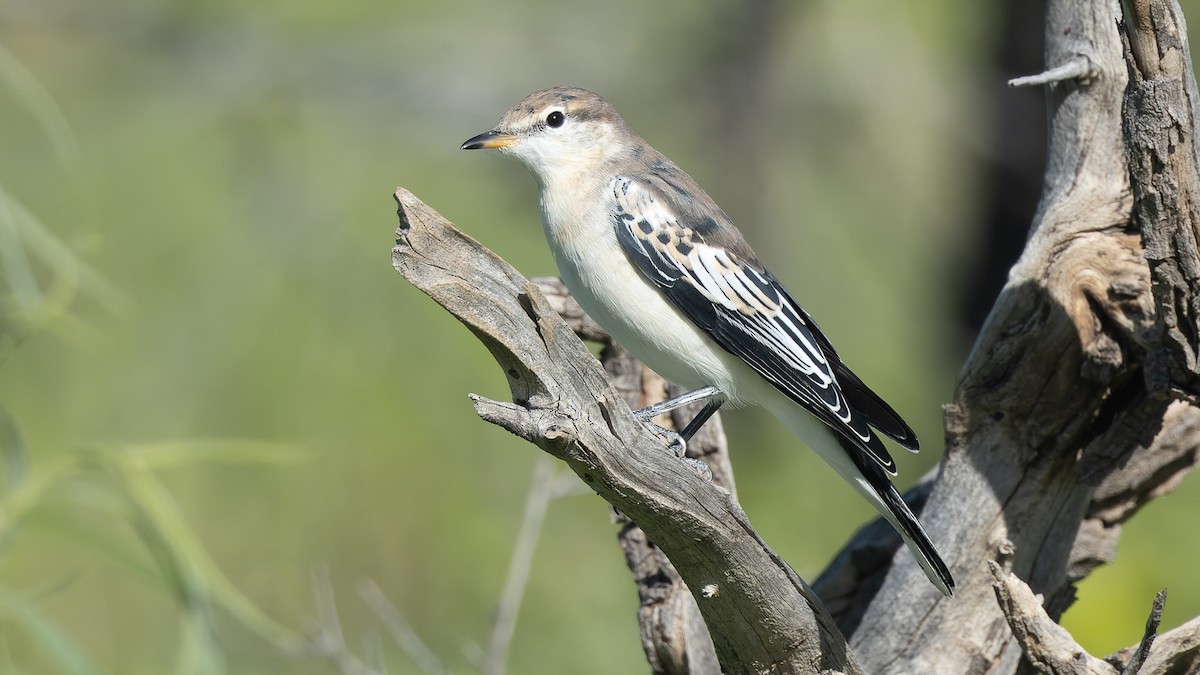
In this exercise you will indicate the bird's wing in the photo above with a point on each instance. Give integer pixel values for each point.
(862, 399)
(745, 310)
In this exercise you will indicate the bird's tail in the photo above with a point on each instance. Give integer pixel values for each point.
(902, 518)
(874, 484)
(870, 480)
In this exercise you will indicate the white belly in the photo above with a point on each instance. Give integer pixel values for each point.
(616, 294)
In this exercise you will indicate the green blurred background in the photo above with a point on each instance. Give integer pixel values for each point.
(213, 383)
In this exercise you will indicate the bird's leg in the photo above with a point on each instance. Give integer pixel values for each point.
(701, 417)
(679, 401)
(678, 441)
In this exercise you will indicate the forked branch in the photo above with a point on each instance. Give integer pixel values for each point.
(762, 616)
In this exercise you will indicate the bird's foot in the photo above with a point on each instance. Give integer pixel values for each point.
(671, 438)
(678, 446)
(701, 469)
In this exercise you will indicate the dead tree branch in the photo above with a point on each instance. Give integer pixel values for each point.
(762, 616)
(1052, 650)
(1047, 645)
(673, 634)
(1174, 652)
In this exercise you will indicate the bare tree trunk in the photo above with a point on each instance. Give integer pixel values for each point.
(1053, 429)
(1072, 411)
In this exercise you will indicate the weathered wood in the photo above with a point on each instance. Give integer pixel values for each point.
(1164, 164)
(1175, 652)
(672, 627)
(1052, 433)
(1051, 352)
(1146, 469)
(1053, 651)
(674, 636)
(1047, 645)
(761, 615)
(672, 630)
(1140, 653)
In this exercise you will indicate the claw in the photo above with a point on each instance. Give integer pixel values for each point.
(672, 439)
(678, 445)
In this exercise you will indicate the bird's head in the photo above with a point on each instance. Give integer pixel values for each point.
(559, 132)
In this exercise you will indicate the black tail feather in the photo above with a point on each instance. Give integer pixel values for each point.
(916, 534)
(874, 409)
(905, 522)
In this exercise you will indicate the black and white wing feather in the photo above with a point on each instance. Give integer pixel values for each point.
(711, 275)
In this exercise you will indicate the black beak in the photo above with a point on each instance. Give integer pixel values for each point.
(489, 140)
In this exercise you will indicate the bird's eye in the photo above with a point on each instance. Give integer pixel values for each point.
(555, 119)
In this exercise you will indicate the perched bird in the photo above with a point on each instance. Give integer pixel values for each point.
(651, 257)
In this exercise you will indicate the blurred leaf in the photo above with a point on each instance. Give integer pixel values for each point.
(40, 242)
(26, 86)
(55, 643)
(96, 499)
(168, 454)
(181, 558)
(14, 453)
(18, 273)
(16, 504)
(199, 653)
(180, 551)
(126, 552)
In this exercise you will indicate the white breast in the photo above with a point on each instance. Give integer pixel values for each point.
(594, 267)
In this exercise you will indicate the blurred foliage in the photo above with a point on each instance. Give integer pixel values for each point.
(228, 166)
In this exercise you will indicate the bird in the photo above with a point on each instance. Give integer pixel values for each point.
(656, 262)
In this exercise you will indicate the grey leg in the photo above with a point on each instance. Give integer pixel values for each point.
(677, 402)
